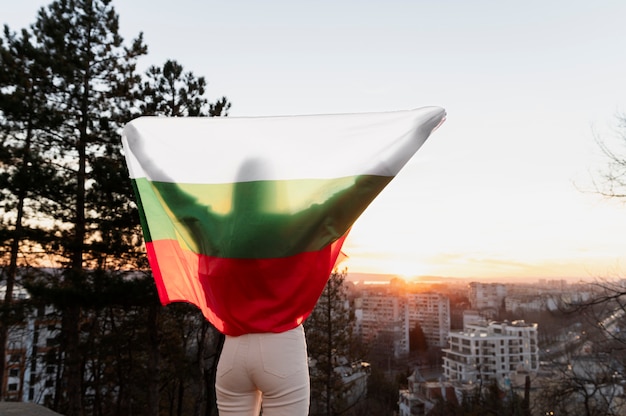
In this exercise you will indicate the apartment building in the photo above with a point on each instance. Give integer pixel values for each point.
(486, 297)
(432, 312)
(491, 351)
(526, 303)
(31, 364)
(384, 318)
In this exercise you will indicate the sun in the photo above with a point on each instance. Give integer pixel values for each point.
(407, 277)
(397, 265)
(407, 271)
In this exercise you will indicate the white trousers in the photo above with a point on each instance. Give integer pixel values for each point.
(268, 370)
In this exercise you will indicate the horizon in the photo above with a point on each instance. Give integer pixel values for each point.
(381, 278)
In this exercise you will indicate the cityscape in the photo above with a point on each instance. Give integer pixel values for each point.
(546, 342)
(540, 340)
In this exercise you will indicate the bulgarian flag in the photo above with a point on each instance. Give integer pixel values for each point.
(245, 217)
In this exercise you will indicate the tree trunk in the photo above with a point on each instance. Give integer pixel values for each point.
(329, 350)
(72, 324)
(73, 376)
(526, 402)
(153, 364)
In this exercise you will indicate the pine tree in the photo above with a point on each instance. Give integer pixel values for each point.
(417, 339)
(92, 73)
(171, 91)
(26, 120)
(329, 335)
(67, 86)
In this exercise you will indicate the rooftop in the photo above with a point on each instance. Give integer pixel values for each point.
(25, 409)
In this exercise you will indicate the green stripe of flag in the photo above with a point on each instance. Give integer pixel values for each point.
(257, 219)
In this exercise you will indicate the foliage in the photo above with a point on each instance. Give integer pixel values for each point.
(329, 342)
(169, 91)
(382, 394)
(27, 116)
(610, 181)
(417, 339)
(590, 381)
(489, 399)
(68, 83)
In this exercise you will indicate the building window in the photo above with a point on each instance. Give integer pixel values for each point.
(12, 387)
(14, 372)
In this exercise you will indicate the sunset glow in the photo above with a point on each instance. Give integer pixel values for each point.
(503, 188)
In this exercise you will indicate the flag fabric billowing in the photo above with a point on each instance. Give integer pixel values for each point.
(245, 217)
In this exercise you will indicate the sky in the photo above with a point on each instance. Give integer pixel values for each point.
(504, 188)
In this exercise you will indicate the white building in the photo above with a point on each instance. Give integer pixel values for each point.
(354, 379)
(432, 312)
(472, 317)
(31, 364)
(353, 388)
(18, 293)
(491, 351)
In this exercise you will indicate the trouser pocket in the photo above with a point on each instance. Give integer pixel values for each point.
(284, 354)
